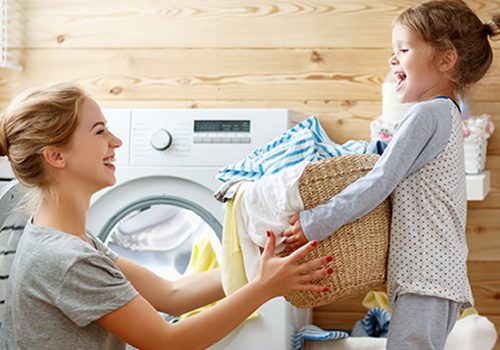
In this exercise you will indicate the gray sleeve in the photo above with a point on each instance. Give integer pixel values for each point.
(424, 133)
(99, 245)
(91, 288)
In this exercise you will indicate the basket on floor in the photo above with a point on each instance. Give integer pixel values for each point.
(359, 249)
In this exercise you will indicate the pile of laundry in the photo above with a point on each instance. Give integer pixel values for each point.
(261, 192)
(471, 331)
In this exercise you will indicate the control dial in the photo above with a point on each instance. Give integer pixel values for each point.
(161, 139)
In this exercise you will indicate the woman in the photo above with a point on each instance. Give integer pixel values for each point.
(66, 289)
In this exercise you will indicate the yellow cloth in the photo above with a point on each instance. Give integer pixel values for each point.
(376, 299)
(233, 268)
(467, 312)
(379, 299)
(203, 258)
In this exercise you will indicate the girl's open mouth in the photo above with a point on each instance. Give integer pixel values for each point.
(400, 78)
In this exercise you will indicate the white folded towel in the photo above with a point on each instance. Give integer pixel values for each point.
(473, 332)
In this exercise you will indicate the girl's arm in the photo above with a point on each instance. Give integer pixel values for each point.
(138, 323)
(422, 135)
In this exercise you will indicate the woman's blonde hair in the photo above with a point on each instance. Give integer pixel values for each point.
(451, 24)
(33, 121)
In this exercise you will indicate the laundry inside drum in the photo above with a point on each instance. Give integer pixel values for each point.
(160, 237)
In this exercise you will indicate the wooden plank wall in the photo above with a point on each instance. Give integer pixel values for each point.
(318, 56)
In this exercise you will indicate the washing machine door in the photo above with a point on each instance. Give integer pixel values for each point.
(135, 197)
(155, 228)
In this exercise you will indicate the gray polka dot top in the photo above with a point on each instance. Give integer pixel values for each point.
(428, 248)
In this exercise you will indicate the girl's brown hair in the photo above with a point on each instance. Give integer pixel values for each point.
(451, 24)
(33, 121)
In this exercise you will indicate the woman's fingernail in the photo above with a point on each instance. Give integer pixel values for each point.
(314, 243)
(330, 270)
(329, 258)
(268, 233)
(326, 290)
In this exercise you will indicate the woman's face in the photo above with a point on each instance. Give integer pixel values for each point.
(91, 151)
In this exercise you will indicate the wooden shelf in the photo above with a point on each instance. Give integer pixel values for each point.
(478, 186)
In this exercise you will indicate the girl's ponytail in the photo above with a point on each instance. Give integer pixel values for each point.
(492, 27)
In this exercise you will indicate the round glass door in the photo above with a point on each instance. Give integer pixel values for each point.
(160, 233)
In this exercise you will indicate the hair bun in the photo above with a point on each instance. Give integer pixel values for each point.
(491, 28)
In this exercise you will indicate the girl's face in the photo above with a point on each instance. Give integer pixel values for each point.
(91, 151)
(417, 67)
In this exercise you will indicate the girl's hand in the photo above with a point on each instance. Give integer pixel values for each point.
(283, 275)
(295, 236)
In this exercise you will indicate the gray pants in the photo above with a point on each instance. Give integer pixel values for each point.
(421, 322)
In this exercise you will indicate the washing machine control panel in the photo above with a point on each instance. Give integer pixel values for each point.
(194, 137)
(161, 139)
(222, 131)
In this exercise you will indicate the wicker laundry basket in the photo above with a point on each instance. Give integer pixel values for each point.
(359, 249)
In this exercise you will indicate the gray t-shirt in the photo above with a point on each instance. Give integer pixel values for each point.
(58, 286)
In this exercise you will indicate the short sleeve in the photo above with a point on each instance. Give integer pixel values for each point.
(100, 246)
(91, 288)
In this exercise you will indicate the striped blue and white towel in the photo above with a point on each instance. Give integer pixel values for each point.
(312, 332)
(305, 142)
(375, 324)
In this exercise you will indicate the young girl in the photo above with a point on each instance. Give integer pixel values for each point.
(440, 48)
(66, 289)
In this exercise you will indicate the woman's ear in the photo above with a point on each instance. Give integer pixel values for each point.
(447, 60)
(53, 157)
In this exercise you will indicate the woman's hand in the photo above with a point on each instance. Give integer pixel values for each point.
(139, 324)
(283, 275)
(295, 236)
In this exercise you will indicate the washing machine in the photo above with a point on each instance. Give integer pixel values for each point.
(11, 193)
(6, 174)
(163, 203)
